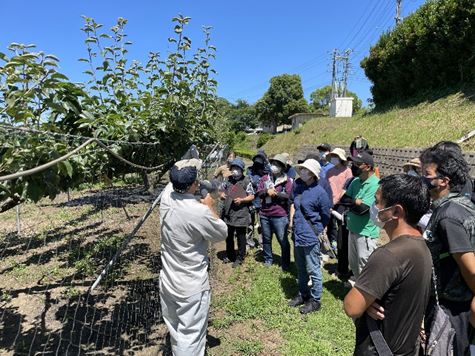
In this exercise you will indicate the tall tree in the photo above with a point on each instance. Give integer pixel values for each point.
(283, 99)
(320, 100)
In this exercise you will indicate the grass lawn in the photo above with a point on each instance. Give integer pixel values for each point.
(249, 313)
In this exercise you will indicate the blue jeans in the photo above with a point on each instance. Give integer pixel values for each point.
(307, 260)
(277, 225)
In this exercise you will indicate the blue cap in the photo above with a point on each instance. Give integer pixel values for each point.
(238, 162)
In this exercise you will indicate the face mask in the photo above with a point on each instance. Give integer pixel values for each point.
(230, 161)
(322, 155)
(374, 214)
(275, 169)
(304, 174)
(236, 173)
(334, 160)
(413, 173)
(428, 181)
(356, 171)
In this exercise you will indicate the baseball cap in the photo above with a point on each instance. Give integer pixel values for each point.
(363, 157)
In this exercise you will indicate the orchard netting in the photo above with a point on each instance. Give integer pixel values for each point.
(79, 274)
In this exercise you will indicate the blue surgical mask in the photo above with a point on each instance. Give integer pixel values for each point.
(428, 181)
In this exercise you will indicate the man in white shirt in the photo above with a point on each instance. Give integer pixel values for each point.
(186, 228)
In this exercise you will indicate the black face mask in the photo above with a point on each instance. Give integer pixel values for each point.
(356, 171)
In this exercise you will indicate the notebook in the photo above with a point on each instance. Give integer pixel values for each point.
(237, 192)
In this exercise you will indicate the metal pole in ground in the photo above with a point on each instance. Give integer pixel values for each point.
(18, 219)
(125, 243)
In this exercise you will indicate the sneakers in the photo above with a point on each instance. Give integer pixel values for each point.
(237, 263)
(298, 300)
(226, 260)
(267, 264)
(310, 306)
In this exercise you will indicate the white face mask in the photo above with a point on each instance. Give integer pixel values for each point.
(374, 214)
(323, 155)
(275, 169)
(413, 173)
(236, 173)
(334, 160)
(304, 174)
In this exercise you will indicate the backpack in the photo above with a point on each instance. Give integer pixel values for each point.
(441, 335)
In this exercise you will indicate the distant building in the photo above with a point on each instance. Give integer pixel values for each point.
(272, 128)
(341, 107)
(299, 118)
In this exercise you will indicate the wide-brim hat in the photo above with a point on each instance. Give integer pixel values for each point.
(279, 158)
(340, 152)
(312, 165)
(363, 157)
(288, 160)
(415, 162)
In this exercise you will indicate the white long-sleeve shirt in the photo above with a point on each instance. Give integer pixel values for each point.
(186, 227)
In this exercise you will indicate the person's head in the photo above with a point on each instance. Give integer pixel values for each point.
(309, 171)
(323, 150)
(448, 146)
(278, 164)
(309, 156)
(231, 157)
(400, 199)
(184, 175)
(443, 171)
(362, 165)
(258, 161)
(338, 157)
(237, 167)
(413, 167)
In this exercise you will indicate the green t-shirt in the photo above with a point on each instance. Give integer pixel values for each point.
(362, 224)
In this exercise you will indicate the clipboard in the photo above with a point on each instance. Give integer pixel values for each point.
(237, 192)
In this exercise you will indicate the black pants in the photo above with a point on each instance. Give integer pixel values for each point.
(342, 245)
(241, 241)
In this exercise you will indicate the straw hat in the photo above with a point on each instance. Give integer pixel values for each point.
(415, 162)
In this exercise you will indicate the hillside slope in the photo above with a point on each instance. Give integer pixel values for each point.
(421, 125)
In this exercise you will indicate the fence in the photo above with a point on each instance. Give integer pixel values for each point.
(388, 160)
(51, 254)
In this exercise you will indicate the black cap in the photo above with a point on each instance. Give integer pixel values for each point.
(363, 157)
(309, 156)
(324, 147)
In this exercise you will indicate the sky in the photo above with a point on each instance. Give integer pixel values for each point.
(255, 40)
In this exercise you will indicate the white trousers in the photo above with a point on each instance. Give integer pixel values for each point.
(187, 321)
(360, 247)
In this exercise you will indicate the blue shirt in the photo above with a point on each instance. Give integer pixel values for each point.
(325, 168)
(290, 172)
(314, 206)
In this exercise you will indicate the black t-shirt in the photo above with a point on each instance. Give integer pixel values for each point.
(398, 274)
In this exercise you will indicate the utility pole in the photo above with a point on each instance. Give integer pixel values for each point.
(335, 53)
(347, 69)
(398, 11)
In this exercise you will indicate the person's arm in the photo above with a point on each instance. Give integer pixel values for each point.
(209, 201)
(357, 302)
(291, 215)
(247, 199)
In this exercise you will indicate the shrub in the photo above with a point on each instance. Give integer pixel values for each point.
(263, 139)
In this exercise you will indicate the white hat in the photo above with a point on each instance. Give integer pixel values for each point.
(312, 165)
(340, 153)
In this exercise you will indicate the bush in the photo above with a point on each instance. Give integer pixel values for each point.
(263, 139)
(244, 153)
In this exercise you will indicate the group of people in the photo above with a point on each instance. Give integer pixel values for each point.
(427, 213)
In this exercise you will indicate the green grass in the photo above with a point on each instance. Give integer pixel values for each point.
(259, 296)
(414, 124)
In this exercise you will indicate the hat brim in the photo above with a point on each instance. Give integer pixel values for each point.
(298, 167)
